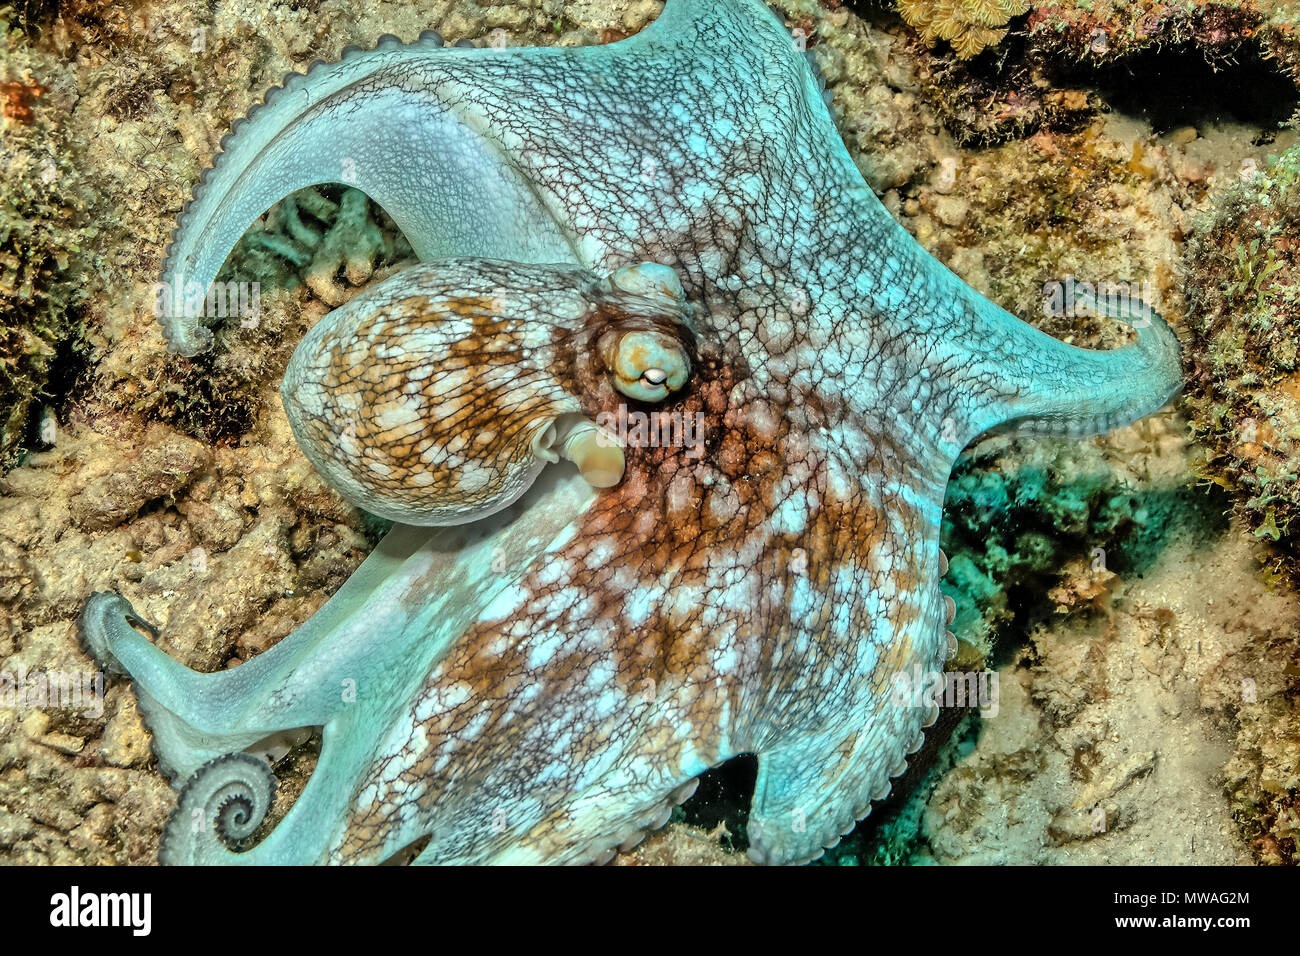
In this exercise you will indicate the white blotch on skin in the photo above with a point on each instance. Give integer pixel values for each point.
(473, 477)
(600, 554)
(443, 699)
(504, 604)
(679, 493)
(399, 414)
(544, 650)
(311, 396)
(761, 418)
(791, 515)
(638, 605)
(552, 572)
(724, 502)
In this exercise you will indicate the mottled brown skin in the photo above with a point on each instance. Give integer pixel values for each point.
(429, 397)
(668, 521)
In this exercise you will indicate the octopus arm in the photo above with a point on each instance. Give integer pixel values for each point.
(347, 670)
(195, 717)
(1022, 380)
(422, 129)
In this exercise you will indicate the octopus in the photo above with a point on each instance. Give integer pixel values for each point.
(574, 615)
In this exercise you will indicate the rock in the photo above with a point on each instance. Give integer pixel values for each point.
(35, 724)
(92, 833)
(165, 462)
(640, 13)
(64, 743)
(126, 741)
(951, 210)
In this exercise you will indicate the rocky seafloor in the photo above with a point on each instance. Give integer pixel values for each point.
(1136, 606)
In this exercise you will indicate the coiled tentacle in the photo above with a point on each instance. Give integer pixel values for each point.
(219, 811)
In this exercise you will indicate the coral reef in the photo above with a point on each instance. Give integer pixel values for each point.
(1043, 539)
(246, 537)
(1254, 700)
(45, 242)
(877, 94)
(1243, 282)
(328, 238)
(1026, 521)
(1048, 74)
(333, 241)
(1119, 729)
(1103, 30)
(1020, 95)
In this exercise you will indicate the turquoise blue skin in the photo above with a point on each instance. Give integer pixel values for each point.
(704, 144)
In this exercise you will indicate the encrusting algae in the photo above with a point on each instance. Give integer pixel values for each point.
(1243, 283)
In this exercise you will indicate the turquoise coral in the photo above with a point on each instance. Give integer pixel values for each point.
(541, 685)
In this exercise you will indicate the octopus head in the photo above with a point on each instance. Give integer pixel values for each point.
(438, 396)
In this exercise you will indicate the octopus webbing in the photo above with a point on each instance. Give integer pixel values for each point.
(570, 622)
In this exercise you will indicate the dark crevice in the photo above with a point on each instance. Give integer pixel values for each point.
(32, 16)
(407, 854)
(723, 797)
(1177, 86)
(1018, 88)
(293, 756)
(68, 377)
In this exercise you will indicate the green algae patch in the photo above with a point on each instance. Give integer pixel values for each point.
(1243, 288)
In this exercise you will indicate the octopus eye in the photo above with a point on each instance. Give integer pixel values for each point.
(648, 365)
